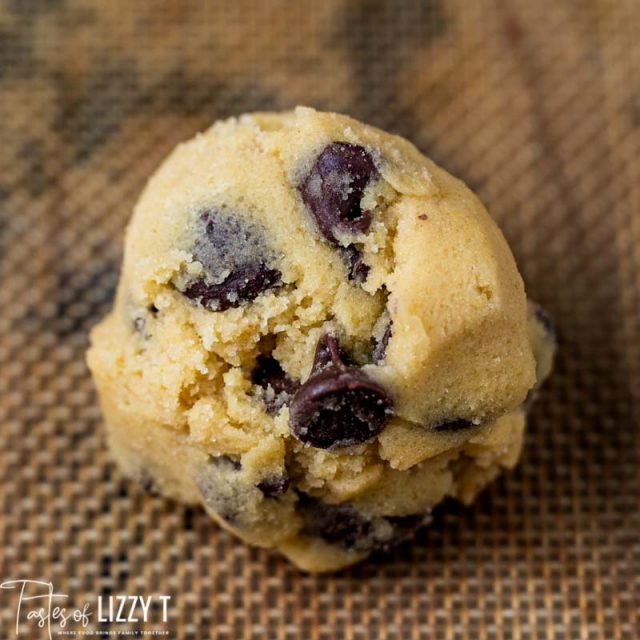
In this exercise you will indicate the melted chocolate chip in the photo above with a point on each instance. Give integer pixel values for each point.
(380, 349)
(274, 486)
(455, 425)
(339, 406)
(333, 189)
(357, 268)
(237, 262)
(269, 375)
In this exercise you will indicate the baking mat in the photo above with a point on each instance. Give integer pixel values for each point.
(536, 104)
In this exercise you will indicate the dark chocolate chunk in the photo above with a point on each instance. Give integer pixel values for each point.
(333, 189)
(339, 406)
(269, 375)
(455, 425)
(358, 270)
(380, 349)
(274, 486)
(237, 262)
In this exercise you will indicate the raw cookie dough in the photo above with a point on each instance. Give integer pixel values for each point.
(318, 335)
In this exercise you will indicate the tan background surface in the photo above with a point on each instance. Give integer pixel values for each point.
(536, 104)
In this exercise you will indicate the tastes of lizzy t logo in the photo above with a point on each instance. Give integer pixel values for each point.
(38, 606)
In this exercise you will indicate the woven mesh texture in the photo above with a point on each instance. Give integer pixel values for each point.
(536, 104)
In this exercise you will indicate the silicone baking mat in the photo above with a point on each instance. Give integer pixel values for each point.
(536, 104)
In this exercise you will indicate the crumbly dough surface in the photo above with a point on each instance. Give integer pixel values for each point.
(318, 335)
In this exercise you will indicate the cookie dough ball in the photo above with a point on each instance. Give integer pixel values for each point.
(318, 335)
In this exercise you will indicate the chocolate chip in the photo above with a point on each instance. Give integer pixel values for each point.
(274, 486)
(455, 425)
(328, 353)
(339, 406)
(246, 283)
(343, 526)
(333, 189)
(358, 270)
(279, 387)
(336, 524)
(380, 349)
(237, 262)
